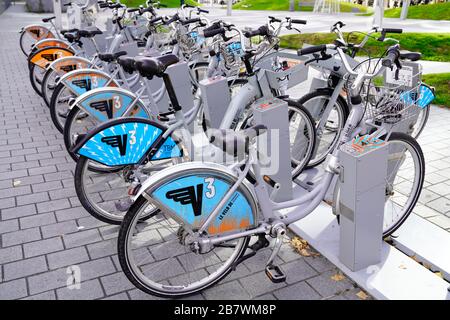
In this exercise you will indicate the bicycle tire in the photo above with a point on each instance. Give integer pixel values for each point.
(344, 110)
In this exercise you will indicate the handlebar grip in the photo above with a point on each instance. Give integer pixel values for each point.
(392, 30)
(339, 24)
(261, 31)
(115, 6)
(202, 10)
(173, 19)
(148, 9)
(154, 20)
(390, 58)
(67, 4)
(189, 21)
(213, 26)
(298, 21)
(213, 32)
(273, 19)
(312, 49)
(132, 10)
(189, 6)
(103, 5)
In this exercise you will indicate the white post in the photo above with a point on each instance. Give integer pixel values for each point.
(58, 13)
(291, 5)
(229, 7)
(379, 13)
(405, 8)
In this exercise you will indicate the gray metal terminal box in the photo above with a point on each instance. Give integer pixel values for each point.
(275, 143)
(216, 98)
(361, 202)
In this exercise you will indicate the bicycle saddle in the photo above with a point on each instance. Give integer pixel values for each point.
(156, 66)
(48, 19)
(110, 57)
(235, 143)
(89, 33)
(71, 36)
(64, 31)
(127, 63)
(413, 56)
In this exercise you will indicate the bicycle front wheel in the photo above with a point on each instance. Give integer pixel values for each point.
(156, 257)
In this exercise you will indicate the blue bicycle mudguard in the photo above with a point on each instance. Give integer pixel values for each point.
(193, 197)
(127, 141)
(422, 98)
(110, 103)
(83, 80)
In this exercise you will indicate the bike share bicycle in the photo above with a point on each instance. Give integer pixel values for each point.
(200, 216)
(261, 83)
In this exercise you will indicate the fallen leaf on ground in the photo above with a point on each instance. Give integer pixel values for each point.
(16, 183)
(439, 274)
(362, 295)
(402, 266)
(337, 277)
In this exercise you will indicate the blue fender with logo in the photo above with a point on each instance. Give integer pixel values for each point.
(83, 80)
(110, 103)
(189, 192)
(127, 141)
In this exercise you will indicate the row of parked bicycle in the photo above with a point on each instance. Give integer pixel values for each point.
(132, 102)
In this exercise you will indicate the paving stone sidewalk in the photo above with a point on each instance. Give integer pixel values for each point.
(44, 230)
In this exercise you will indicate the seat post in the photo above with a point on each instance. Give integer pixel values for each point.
(171, 92)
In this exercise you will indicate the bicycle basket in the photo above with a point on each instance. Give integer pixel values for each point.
(232, 53)
(392, 105)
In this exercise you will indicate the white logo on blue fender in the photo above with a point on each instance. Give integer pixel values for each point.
(121, 144)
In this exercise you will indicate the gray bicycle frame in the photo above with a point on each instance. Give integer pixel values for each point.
(312, 199)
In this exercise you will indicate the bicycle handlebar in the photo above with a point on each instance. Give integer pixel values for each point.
(174, 18)
(213, 32)
(189, 21)
(261, 31)
(391, 57)
(312, 49)
(392, 30)
(154, 20)
(298, 21)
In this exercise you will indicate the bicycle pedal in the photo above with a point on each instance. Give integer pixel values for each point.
(275, 274)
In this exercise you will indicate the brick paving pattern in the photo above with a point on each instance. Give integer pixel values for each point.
(44, 230)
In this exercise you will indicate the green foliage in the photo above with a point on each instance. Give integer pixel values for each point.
(441, 82)
(168, 3)
(437, 11)
(433, 46)
(283, 5)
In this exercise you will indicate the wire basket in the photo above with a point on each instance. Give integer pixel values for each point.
(232, 52)
(190, 42)
(391, 105)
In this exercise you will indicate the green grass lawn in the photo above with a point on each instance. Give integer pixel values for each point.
(437, 11)
(168, 3)
(433, 46)
(283, 5)
(441, 82)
